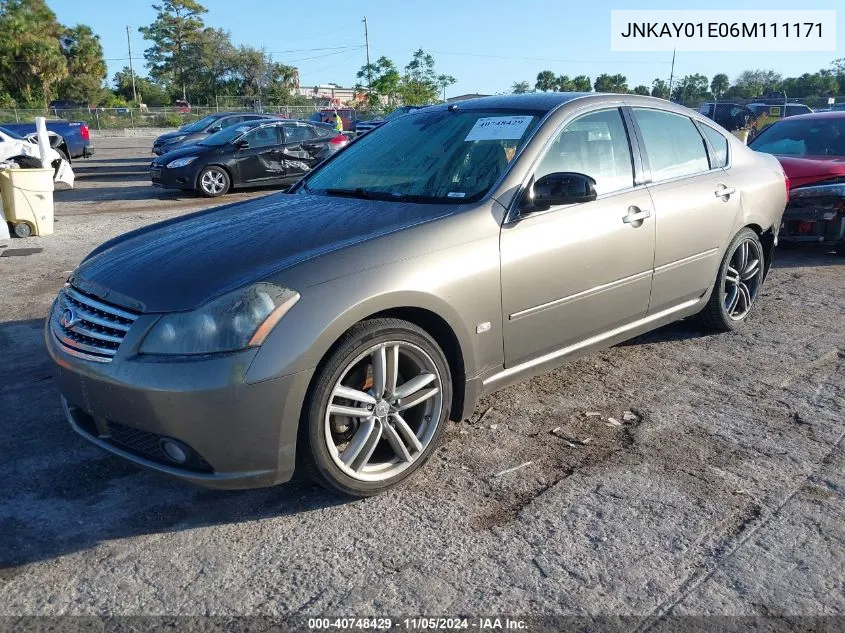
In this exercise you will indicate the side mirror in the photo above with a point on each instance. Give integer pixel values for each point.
(214, 129)
(557, 188)
(242, 144)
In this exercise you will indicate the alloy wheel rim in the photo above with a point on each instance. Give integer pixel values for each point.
(213, 182)
(743, 277)
(383, 411)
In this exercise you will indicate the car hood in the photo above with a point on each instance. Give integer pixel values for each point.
(181, 263)
(805, 170)
(169, 136)
(191, 149)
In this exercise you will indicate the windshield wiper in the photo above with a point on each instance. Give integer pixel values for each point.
(365, 194)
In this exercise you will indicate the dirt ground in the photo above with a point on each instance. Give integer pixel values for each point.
(720, 492)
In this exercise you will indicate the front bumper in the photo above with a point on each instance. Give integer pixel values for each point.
(238, 435)
(815, 213)
(179, 178)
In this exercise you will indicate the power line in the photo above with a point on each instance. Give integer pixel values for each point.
(547, 59)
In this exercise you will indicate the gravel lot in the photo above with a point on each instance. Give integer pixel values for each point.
(722, 495)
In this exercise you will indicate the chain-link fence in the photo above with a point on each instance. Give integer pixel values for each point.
(133, 118)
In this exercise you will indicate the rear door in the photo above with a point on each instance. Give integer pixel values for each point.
(262, 160)
(302, 149)
(695, 202)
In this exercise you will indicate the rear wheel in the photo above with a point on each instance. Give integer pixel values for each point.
(213, 182)
(737, 284)
(377, 410)
(23, 229)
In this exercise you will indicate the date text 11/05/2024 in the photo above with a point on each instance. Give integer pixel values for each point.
(721, 29)
(418, 624)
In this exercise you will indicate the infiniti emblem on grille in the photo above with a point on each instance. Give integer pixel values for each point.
(68, 319)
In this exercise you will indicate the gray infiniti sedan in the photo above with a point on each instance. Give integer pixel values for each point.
(337, 328)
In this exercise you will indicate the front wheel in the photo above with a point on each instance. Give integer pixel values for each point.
(213, 182)
(379, 405)
(737, 284)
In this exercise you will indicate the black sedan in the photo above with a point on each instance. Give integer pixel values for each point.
(252, 154)
(203, 128)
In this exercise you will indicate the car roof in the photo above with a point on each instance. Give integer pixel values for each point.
(811, 116)
(547, 101)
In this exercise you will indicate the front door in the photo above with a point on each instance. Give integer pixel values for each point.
(577, 271)
(261, 159)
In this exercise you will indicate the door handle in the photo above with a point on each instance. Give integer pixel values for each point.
(636, 216)
(724, 192)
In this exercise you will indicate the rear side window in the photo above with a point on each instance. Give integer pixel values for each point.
(297, 133)
(322, 132)
(720, 147)
(673, 144)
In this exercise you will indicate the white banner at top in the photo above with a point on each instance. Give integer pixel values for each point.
(720, 30)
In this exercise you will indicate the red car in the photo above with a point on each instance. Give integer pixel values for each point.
(811, 150)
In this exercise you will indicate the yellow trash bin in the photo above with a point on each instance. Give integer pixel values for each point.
(28, 200)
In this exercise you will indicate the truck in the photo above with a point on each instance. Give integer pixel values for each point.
(76, 138)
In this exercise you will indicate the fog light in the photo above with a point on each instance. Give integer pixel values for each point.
(174, 451)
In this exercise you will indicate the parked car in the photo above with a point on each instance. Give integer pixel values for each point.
(251, 154)
(75, 136)
(779, 110)
(182, 106)
(340, 327)
(202, 128)
(367, 126)
(731, 116)
(811, 148)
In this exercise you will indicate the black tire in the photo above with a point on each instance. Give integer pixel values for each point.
(23, 229)
(840, 249)
(714, 316)
(217, 174)
(313, 457)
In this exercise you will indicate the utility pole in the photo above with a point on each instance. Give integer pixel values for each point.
(367, 45)
(672, 74)
(131, 68)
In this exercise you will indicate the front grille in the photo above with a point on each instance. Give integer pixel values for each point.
(87, 327)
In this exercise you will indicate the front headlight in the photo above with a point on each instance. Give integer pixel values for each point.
(181, 162)
(235, 321)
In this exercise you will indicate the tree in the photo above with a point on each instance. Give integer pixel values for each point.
(85, 64)
(611, 83)
(149, 92)
(582, 83)
(520, 87)
(659, 89)
(719, 84)
(546, 81)
(564, 84)
(383, 79)
(758, 82)
(173, 34)
(31, 59)
(421, 84)
(690, 89)
(443, 82)
(641, 90)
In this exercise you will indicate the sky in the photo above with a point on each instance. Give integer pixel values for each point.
(485, 45)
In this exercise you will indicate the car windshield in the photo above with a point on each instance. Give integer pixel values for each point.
(428, 156)
(803, 137)
(197, 126)
(229, 134)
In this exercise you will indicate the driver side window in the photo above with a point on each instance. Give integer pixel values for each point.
(595, 144)
(263, 137)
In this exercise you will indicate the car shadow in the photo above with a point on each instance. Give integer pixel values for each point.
(61, 495)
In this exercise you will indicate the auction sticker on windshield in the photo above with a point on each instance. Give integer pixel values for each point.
(499, 128)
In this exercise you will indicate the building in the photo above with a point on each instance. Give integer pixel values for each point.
(472, 95)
